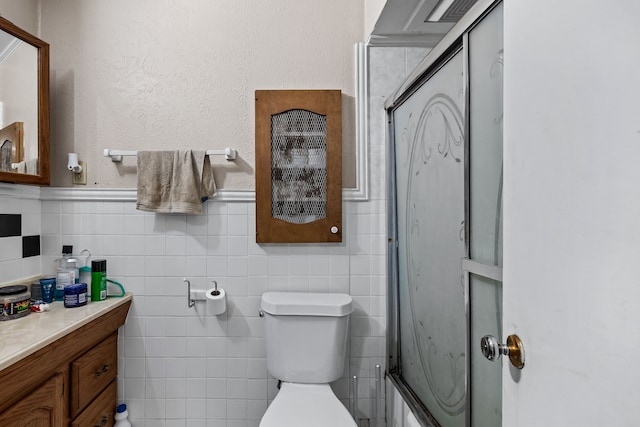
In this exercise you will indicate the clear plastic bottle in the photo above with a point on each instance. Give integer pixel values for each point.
(122, 416)
(67, 274)
(85, 271)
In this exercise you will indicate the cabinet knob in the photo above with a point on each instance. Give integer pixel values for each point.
(103, 421)
(104, 370)
(334, 230)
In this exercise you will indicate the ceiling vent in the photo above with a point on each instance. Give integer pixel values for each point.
(450, 10)
(417, 22)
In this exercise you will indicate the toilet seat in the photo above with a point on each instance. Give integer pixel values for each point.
(309, 405)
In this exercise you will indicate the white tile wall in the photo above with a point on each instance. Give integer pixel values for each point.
(182, 366)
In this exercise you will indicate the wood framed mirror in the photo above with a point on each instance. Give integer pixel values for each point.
(24, 106)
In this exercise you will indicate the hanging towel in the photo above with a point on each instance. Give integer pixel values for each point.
(6, 148)
(29, 167)
(174, 181)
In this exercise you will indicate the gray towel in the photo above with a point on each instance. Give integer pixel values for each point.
(174, 181)
(6, 150)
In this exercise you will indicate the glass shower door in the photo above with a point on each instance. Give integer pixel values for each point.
(446, 219)
(429, 165)
(485, 214)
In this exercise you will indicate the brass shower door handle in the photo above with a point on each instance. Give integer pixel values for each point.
(492, 349)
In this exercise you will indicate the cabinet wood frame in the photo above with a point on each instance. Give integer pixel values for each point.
(324, 102)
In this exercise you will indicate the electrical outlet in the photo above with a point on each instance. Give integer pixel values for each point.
(81, 178)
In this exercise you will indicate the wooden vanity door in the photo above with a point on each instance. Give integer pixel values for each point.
(44, 407)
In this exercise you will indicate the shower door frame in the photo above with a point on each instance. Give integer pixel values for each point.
(455, 41)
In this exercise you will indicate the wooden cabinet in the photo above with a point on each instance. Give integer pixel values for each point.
(70, 382)
(93, 372)
(44, 407)
(298, 166)
(101, 411)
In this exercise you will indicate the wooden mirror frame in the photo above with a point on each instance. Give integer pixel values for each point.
(43, 177)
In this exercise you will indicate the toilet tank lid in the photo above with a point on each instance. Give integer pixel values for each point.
(306, 304)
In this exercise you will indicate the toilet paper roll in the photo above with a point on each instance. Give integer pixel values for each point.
(216, 300)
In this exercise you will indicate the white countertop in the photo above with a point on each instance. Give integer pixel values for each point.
(24, 336)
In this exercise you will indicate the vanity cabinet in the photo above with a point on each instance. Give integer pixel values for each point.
(43, 407)
(101, 412)
(298, 166)
(93, 372)
(72, 381)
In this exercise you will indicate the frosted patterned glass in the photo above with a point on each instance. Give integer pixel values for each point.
(485, 152)
(429, 130)
(485, 167)
(486, 376)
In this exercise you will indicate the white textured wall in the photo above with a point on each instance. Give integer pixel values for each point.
(23, 13)
(144, 74)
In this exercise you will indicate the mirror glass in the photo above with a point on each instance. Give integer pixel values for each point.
(24, 106)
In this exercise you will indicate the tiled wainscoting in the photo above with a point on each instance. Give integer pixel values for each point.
(182, 366)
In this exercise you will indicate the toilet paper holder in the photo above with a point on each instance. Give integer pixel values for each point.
(216, 297)
(191, 298)
(194, 295)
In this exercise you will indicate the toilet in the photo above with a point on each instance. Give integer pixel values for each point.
(306, 337)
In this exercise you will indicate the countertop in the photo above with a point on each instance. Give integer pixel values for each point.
(24, 336)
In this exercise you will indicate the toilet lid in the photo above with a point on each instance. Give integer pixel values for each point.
(309, 405)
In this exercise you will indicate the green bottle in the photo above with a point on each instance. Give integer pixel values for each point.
(99, 280)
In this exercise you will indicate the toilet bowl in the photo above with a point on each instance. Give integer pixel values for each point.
(306, 338)
(308, 405)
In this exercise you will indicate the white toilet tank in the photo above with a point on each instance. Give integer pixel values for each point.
(306, 335)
